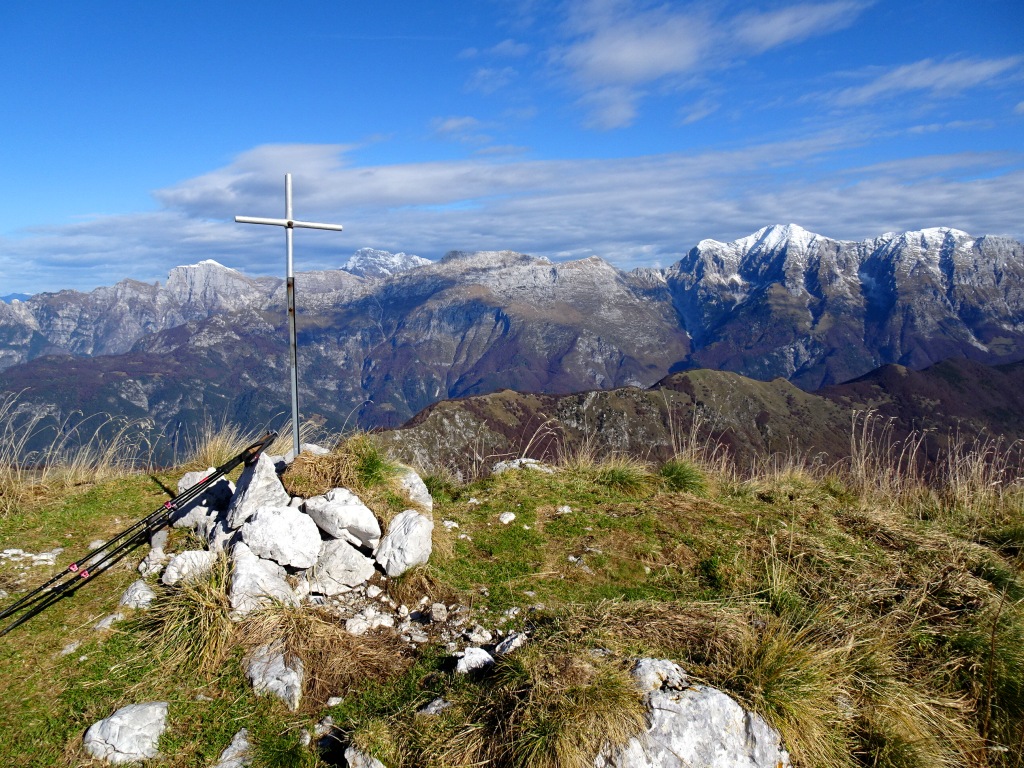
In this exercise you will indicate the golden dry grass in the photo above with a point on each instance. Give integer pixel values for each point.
(336, 663)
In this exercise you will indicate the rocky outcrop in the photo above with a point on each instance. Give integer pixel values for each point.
(283, 534)
(785, 302)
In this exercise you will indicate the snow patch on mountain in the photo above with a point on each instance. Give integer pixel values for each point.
(373, 263)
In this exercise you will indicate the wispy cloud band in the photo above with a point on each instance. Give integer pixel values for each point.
(632, 211)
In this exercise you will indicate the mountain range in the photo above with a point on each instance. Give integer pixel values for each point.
(392, 334)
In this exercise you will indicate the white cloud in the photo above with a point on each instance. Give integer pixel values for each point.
(1019, 109)
(942, 78)
(632, 211)
(509, 49)
(465, 130)
(615, 50)
(698, 111)
(487, 80)
(763, 31)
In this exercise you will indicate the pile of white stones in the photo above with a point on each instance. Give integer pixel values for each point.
(328, 550)
(287, 549)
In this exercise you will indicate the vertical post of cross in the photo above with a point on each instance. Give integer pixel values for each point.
(293, 334)
(289, 224)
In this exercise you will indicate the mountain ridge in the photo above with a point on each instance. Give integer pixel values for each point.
(783, 302)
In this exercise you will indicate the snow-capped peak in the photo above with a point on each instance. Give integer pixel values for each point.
(777, 235)
(207, 263)
(371, 262)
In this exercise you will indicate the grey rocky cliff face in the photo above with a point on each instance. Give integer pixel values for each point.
(786, 302)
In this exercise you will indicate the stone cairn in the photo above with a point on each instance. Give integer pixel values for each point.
(329, 551)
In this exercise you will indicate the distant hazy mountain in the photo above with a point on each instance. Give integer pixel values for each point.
(15, 296)
(375, 349)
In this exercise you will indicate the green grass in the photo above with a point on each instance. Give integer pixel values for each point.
(871, 634)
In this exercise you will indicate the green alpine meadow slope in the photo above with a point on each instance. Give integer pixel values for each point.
(872, 613)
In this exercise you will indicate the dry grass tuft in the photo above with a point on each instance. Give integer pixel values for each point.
(358, 464)
(419, 582)
(310, 475)
(653, 625)
(336, 663)
(189, 626)
(554, 704)
(214, 444)
(90, 450)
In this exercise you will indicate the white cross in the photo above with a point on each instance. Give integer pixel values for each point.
(289, 224)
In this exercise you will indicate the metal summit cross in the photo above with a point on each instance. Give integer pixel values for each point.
(289, 224)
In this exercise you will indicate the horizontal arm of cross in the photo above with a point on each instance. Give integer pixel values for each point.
(290, 223)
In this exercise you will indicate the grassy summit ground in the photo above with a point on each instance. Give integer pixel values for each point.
(875, 618)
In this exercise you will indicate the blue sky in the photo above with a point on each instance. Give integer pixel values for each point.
(133, 132)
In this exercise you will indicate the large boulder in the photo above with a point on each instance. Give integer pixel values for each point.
(340, 513)
(406, 544)
(272, 672)
(414, 487)
(694, 725)
(130, 735)
(201, 512)
(190, 565)
(284, 535)
(257, 583)
(259, 486)
(339, 567)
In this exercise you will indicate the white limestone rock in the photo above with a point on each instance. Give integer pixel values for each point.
(129, 735)
(406, 544)
(339, 567)
(272, 673)
(694, 726)
(236, 754)
(203, 510)
(510, 643)
(139, 595)
(435, 707)
(284, 535)
(367, 619)
(220, 537)
(506, 517)
(257, 583)
(505, 466)
(414, 487)
(259, 486)
(108, 621)
(340, 513)
(654, 674)
(153, 562)
(478, 635)
(473, 658)
(311, 448)
(191, 565)
(357, 759)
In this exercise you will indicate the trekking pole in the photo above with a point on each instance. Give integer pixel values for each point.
(95, 561)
